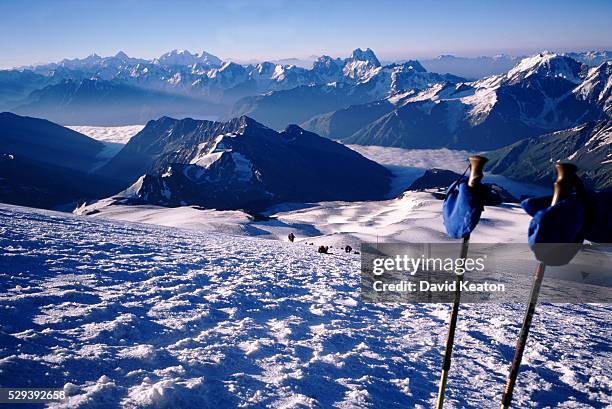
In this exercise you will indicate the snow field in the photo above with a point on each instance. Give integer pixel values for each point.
(133, 315)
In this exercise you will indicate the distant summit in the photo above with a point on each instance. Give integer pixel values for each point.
(367, 56)
(184, 57)
(547, 64)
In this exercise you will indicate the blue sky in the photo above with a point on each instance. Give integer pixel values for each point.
(44, 31)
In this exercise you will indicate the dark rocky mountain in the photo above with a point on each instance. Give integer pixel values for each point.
(439, 180)
(434, 178)
(43, 141)
(32, 183)
(240, 164)
(104, 103)
(588, 146)
(46, 165)
(543, 93)
(597, 87)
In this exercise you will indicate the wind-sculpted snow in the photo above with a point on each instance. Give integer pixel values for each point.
(138, 316)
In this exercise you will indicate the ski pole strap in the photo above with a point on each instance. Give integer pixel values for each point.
(456, 182)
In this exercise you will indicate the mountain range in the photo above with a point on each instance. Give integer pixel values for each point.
(364, 80)
(547, 107)
(478, 67)
(105, 102)
(201, 85)
(542, 93)
(202, 81)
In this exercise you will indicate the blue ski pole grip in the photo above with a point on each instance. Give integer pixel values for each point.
(556, 232)
(596, 215)
(464, 201)
(462, 210)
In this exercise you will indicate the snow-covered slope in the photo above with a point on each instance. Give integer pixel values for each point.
(414, 217)
(143, 316)
(588, 146)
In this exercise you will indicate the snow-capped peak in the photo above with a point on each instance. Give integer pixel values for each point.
(175, 57)
(367, 56)
(184, 57)
(79, 63)
(362, 65)
(207, 58)
(547, 64)
(597, 86)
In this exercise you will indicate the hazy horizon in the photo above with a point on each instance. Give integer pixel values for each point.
(312, 57)
(44, 32)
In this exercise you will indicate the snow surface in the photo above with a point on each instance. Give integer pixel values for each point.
(415, 217)
(135, 315)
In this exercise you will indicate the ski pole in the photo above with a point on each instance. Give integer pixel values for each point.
(476, 173)
(566, 177)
